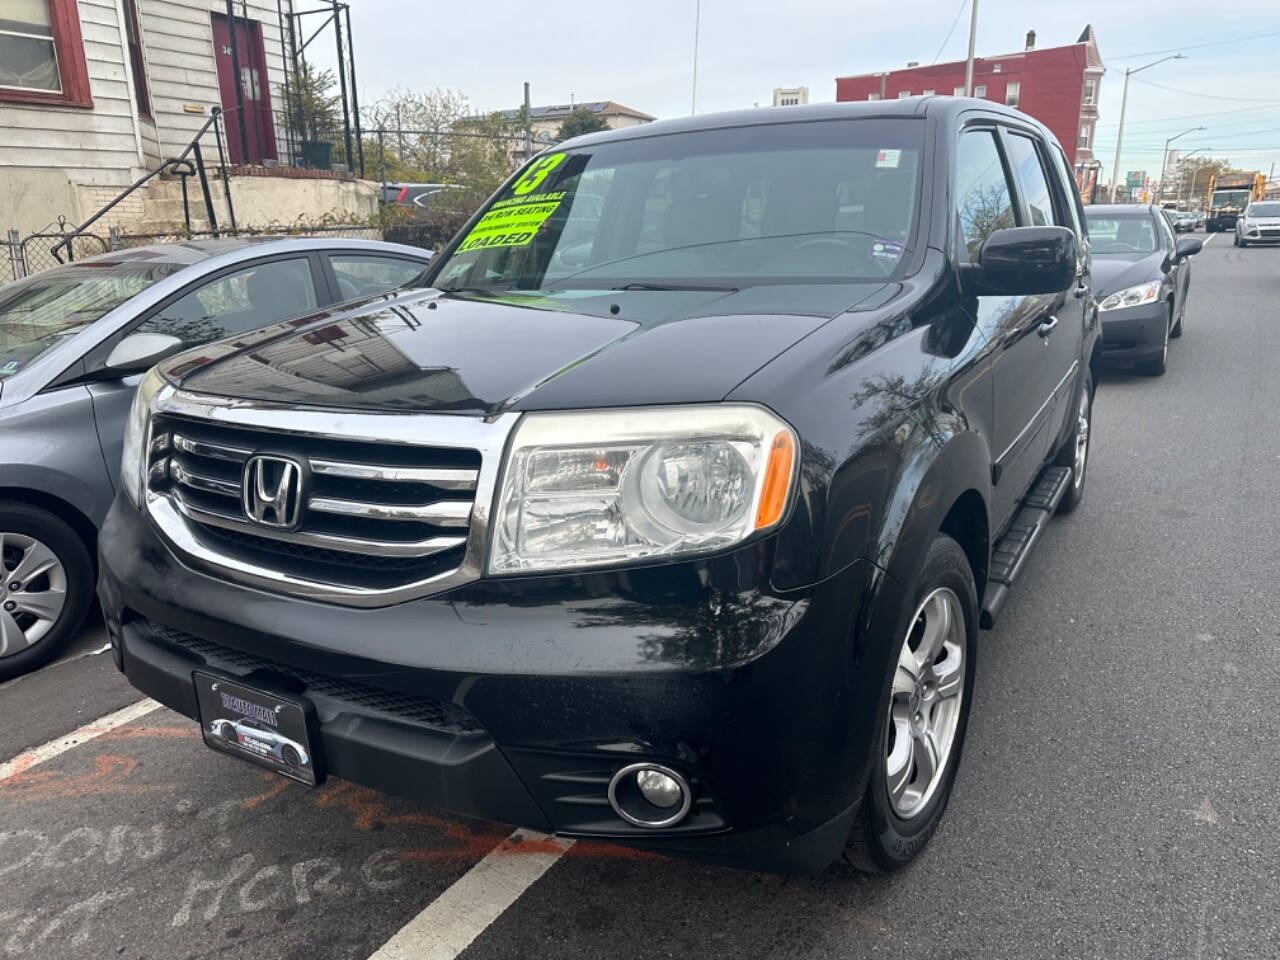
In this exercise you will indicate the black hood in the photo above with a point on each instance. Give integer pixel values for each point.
(431, 352)
(1114, 271)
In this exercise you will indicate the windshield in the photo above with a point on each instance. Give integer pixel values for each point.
(1229, 198)
(828, 201)
(1122, 233)
(1264, 210)
(41, 311)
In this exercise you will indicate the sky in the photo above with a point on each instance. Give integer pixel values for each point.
(641, 55)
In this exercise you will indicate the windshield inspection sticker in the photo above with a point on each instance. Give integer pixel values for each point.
(886, 250)
(888, 159)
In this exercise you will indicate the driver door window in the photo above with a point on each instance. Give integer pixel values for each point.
(238, 302)
(984, 199)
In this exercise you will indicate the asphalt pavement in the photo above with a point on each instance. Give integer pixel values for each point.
(1119, 796)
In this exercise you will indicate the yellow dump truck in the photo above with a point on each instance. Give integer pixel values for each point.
(1229, 194)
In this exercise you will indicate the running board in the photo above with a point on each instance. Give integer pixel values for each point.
(1009, 557)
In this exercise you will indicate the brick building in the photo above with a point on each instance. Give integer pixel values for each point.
(1056, 85)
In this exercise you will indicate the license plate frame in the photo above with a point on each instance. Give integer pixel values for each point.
(276, 731)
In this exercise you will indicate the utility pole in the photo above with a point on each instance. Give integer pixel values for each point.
(1124, 102)
(697, 22)
(973, 36)
(528, 124)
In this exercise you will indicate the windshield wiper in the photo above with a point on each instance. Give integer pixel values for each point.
(483, 291)
(675, 286)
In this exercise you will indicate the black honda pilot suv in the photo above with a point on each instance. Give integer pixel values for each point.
(664, 508)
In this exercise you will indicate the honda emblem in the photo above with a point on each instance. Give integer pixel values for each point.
(272, 491)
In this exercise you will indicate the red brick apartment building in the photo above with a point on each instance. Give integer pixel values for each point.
(1056, 85)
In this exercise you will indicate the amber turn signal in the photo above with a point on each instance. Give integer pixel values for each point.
(777, 480)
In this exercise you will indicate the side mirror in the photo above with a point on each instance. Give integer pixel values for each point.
(139, 352)
(1022, 261)
(1188, 247)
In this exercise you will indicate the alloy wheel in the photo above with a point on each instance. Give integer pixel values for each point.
(924, 708)
(33, 594)
(1082, 439)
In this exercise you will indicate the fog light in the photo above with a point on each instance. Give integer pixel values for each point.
(650, 795)
(658, 788)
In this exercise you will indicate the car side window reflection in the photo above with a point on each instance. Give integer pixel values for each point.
(237, 302)
(1025, 159)
(984, 201)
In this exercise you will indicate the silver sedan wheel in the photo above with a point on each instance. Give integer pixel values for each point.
(33, 594)
(924, 709)
(1082, 439)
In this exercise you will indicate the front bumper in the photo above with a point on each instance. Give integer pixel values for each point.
(1256, 233)
(1134, 334)
(517, 699)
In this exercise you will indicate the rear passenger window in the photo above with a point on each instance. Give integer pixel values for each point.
(363, 276)
(984, 202)
(1025, 160)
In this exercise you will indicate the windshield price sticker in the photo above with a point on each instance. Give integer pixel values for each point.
(512, 223)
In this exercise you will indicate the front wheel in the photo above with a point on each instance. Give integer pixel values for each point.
(46, 588)
(924, 710)
(1157, 367)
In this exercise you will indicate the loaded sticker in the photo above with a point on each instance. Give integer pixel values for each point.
(514, 222)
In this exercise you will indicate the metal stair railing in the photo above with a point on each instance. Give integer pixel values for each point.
(183, 168)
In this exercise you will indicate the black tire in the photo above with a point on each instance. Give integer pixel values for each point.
(290, 756)
(1176, 332)
(1242, 243)
(229, 734)
(1157, 367)
(72, 553)
(1235, 239)
(1067, 454)
(880, 841)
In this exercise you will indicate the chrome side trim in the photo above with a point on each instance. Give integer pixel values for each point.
(442, 477)
(445, 513)
(199, 481)
(373, 548)
(214, 451)
(1075, 365)
(488, 437)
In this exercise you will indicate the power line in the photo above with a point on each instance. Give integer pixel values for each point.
(1207, 96)
(1196, 46)
(963, 4)
(1172, 120)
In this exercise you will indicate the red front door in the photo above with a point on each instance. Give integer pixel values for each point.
(259, 139)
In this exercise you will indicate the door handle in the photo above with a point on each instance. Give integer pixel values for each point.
(1046, 328)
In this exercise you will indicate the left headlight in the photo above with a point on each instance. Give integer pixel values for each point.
(597, 488)
(135, 435)
(1132, 296)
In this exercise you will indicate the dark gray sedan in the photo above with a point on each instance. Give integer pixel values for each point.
(74, 341)
(1141, 275)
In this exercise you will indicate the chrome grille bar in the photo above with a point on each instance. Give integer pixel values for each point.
(346, 544)
(215, 451)
(444, 513)
(446, 478)
(200, 481)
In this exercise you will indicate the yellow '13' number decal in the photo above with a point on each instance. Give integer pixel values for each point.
(536, 173)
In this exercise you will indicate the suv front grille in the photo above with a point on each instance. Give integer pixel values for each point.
(343, 693)
(374, 515)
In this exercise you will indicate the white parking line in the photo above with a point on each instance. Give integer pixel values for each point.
(463, 912)
(90, 731)
(1208, 240)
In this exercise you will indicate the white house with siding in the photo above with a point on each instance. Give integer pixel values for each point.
(94, 92)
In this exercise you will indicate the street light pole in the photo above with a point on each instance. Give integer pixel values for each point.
(1124, 102)
(1193, 175)
(697, 23)
(1164, 158)
(973, 36)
